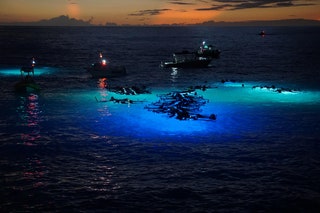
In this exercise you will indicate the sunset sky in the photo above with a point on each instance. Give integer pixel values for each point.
(158, 11)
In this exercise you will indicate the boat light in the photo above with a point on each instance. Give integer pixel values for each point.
(33, 62)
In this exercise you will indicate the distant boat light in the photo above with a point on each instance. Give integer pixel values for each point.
(33, 62)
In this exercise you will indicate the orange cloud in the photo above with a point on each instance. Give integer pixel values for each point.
(174, 15)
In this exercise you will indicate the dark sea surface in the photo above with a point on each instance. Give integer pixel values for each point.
(62, 151)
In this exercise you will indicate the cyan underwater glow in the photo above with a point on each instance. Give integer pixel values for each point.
(251, 92)
(15, 71)
(239, 107)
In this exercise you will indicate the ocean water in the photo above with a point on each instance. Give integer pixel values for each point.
(62, 151)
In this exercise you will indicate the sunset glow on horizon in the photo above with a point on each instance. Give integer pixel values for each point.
(73, 10)
(150, 12)
(189, 15)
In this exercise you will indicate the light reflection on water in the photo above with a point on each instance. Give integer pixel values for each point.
(30, 119)
(34, 172)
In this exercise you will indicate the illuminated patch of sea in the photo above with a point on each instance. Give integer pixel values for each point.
(243, 111)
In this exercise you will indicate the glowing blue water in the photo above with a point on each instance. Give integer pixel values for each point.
(234, 105)
(16, 71)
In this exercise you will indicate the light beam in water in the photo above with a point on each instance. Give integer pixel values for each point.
(15, 71)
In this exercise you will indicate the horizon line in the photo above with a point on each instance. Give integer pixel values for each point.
(65, 21)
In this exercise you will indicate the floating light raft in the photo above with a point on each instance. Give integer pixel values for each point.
(181, 105)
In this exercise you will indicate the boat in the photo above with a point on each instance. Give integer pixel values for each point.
(262, 33)
(186, 59)
(208, 51)
(27, 83)
(196, 59)
(103, 69)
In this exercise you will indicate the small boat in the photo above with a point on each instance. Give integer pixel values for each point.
(186, 59)
(27, 83)
(103, 69)
(262, 33)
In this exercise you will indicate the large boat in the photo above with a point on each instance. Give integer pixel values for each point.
(195, 59)
(103, 69)
(206, 50)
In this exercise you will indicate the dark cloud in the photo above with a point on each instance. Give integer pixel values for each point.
(72, 2)
(247, 4)
(152, 12)
(285, 4)
(179, 2)
(216, 7)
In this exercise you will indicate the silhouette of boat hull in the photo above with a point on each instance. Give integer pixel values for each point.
(26, 85)
(187, 59)
(187, 64)
(98, 70)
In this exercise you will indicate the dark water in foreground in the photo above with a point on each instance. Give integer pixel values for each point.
(61, 151)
